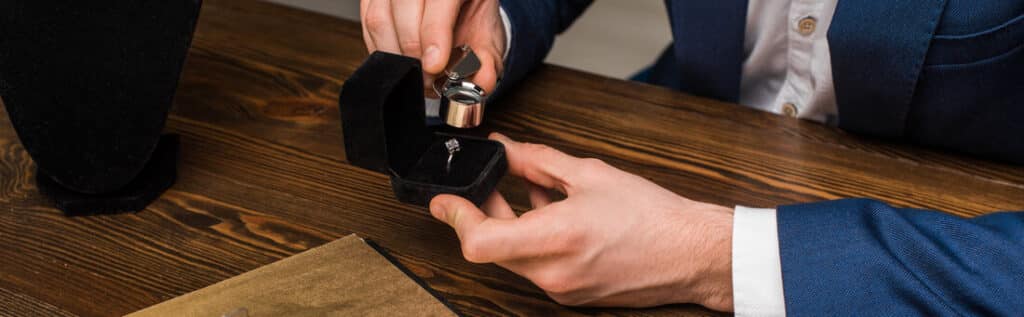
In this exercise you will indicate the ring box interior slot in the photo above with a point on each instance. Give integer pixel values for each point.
(386, 130)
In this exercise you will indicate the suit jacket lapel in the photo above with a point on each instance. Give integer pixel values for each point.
(708, 46)
(878, 48)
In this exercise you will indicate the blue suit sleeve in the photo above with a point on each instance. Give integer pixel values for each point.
(863, 257)
(534, 26)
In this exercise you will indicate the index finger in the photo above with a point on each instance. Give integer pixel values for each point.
(438, 27)
(540, 164)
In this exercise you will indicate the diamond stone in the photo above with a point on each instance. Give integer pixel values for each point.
(452, 145)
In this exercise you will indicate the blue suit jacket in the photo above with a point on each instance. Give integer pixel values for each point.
(942, 73)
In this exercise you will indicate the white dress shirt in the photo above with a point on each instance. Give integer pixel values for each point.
(788, 71)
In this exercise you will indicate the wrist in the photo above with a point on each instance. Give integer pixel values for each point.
(711, 284)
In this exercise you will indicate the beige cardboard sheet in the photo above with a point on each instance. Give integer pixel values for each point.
(345, 277)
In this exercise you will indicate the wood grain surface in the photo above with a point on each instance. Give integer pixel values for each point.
(263, 174)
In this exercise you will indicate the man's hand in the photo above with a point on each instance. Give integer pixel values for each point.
(428, 29)
(616, 240)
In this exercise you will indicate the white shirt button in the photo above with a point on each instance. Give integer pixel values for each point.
(789, 109)
(806, 25)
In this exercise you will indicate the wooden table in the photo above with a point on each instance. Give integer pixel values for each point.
(263, 174)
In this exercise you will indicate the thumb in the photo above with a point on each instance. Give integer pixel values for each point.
(486, 240)
(457, 212)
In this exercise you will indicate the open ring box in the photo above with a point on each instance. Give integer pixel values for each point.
(385, 129)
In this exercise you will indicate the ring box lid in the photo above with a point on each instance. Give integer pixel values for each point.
(382, 123)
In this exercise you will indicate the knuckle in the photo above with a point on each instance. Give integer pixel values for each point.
(557, 282)
(538, 148)
(376, 20)
(589, 169)
(593, 164)
(546, 152)
(473, 249)
(410, 46)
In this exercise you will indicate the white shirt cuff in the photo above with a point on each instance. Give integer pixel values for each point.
(508, 33)
(756, 264)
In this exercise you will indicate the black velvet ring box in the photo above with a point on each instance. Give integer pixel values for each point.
(385, 126)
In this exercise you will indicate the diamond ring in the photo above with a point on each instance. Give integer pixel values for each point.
(453, 146)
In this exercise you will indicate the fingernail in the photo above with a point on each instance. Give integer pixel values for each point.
(500, 137)
(439, 209)
(432, 55)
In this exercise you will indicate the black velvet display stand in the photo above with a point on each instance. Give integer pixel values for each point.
(88, 86)
(385, 127)
(156, 176)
